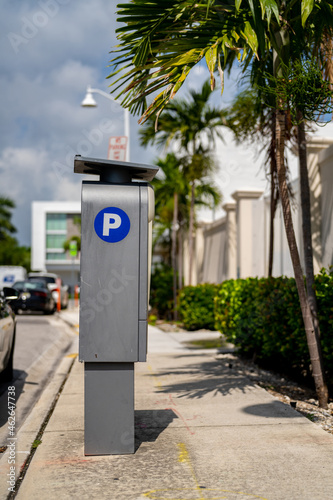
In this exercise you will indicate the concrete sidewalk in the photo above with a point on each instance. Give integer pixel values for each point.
(203, 431)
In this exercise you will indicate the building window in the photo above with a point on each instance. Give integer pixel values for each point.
(55, 256)
(55, 240)
(56, 222)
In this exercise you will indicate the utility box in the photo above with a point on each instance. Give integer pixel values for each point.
(116, 235)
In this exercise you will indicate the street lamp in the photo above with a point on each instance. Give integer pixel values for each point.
(89, 102)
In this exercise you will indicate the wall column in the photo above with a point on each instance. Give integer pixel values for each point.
(316, 152)
(250, 239)
(231, 240)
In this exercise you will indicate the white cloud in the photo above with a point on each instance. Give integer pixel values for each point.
(19, 165)
(70, 73)
(27, 175)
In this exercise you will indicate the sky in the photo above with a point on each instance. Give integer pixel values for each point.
(51, 50)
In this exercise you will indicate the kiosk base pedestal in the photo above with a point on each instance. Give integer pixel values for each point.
(109, 408)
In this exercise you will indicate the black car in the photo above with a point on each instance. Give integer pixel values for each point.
(7, 334)
(33, 296)
(54, 283)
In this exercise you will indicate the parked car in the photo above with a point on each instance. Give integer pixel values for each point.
(33, 296)
(51, 280)
(7, 333)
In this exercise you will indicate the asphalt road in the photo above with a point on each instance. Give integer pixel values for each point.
(34, 334)
(41, 343)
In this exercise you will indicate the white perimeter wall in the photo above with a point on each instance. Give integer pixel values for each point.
(237, 245)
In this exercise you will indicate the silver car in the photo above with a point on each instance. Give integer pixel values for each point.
(7, 333)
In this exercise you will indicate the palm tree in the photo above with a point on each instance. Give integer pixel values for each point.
(299, 91)
(198, 166)
(300, 86)
(188, 124)
(168, 190)
(252, 120)
(321, 44)
(172, 207)
(6, 227)
(161, 42)
(11, 253)
(309, 324)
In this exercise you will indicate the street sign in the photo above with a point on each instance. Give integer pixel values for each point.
(117, 148)
(73, 248)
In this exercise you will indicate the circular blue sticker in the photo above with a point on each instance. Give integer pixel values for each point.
(112, 224)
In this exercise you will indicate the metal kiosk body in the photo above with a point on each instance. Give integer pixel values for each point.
(116, 222)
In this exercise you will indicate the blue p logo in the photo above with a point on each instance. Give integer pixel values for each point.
(112, 224)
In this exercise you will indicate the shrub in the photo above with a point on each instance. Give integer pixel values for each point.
(152, 318)
(324, 292)
(196, 306)
(262, 317)
(161, 291)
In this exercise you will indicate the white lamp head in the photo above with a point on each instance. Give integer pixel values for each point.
(89, 101)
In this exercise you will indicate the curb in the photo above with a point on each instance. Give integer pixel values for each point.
(34, 423)
(68, 321)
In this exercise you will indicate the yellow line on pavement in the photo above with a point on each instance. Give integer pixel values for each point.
(184, 457)
(157, 383)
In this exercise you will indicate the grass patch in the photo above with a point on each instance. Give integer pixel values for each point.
(36, 443)
(207, 343)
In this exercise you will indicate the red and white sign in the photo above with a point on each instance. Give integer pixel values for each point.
(117, 148)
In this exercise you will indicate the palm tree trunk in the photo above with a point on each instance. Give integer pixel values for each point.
(271, 229)
(306, 222)
(191, 227)
(273, 207)
(274, 195)
(180, 256)
(312, 339)
(174, 254)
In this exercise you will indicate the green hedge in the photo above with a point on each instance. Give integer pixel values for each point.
(324, 292)
(196, 306)
(262, 317)
(161, 291)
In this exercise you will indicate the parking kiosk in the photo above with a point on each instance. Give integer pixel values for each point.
(116, 227)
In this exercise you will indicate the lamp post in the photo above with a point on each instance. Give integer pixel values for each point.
(89, 102)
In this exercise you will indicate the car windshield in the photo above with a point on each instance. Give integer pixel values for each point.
(28, 285)
(45, 279)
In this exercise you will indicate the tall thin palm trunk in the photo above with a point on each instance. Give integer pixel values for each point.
(312, 339)
(274, 194)
(191, 228)
(273, 207)
(180, 256)
(174, 254)
(306, 222)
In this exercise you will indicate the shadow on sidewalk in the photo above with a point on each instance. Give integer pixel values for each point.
(196, 380)
(216, 377)
(273, 409)
(149, 424)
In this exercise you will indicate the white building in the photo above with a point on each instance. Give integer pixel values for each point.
(236, 246)
(54, 222)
